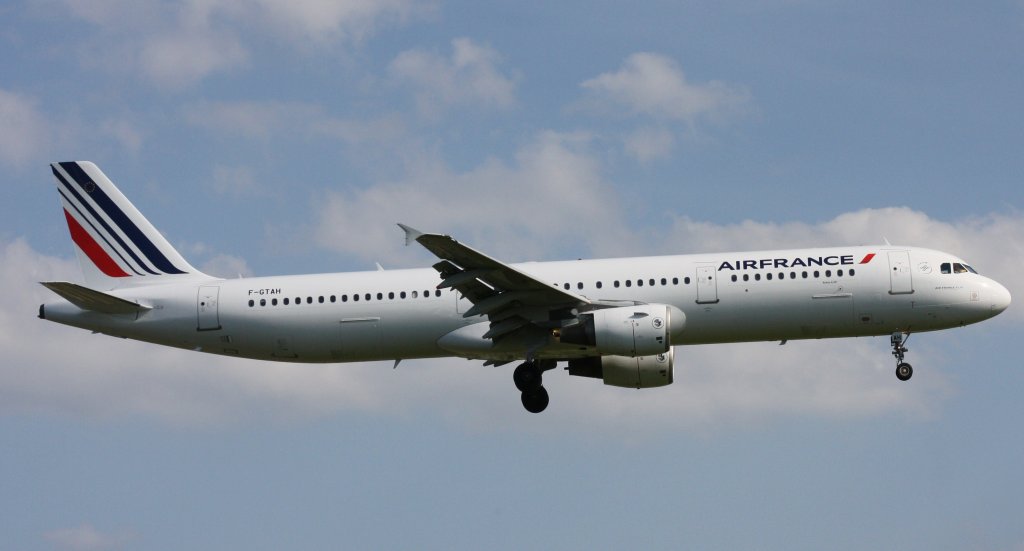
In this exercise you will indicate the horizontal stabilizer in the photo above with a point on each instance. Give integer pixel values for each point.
(88, 299)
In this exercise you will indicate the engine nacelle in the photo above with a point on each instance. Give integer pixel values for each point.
(641, 330)
(638, 372)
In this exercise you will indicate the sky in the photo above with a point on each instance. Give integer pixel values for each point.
(266, 137)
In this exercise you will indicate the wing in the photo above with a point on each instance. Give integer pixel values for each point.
(509, 298)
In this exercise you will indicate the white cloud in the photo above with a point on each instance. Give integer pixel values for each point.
(647, 144)
(654, 85)
(226, 266)
(253, 119)
(87, 538)
(182, 57)
(236, 181)
(550, 195)
(323, 21)
(177, 44)
(124, 132)
(23, 131)
(469, 76)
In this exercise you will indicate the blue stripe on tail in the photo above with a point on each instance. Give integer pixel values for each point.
(122, 221)
(101, 221)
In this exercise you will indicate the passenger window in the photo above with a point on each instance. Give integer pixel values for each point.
(415, 294)
(768, 276)
(828, 273)
(566, 286)
(273, 302)
(804, 274)
(664, 281)
(675, 281)
(817, 274)
(320, 299)
(839, 273)
(401, 295)
(616, 284)
(945, 268)
(263, 302)
(782, 275)
(579, 285)
(851, 272)
(686, 280)
(355, 298)
(286, 302)
(746, 277)
(650, 282)
(334, 298)
(252, 303)
(639, 283)
(629, 283)
(734, 277)
(598, 284)
(792, 275)
(437, 293)
(757, 277)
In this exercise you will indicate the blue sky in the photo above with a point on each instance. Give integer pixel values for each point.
(271, 137)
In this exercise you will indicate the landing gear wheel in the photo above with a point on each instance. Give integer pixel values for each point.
(904, 372)
(527, 377)
(535, 400)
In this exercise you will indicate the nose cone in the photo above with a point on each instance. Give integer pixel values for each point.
(1000, 298)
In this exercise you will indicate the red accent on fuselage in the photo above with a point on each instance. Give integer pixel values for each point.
(867, 258)
(92, 249)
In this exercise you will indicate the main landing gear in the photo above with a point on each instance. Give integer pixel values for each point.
(903, 370)
(528, 378)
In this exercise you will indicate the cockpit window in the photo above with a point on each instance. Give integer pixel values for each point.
(956, 268)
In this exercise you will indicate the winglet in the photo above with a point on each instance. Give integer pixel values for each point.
(411, 234)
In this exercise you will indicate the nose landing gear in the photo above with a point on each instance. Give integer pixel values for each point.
(528, 378)
(903, 370)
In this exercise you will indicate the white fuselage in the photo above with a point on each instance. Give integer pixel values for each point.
(399, 314)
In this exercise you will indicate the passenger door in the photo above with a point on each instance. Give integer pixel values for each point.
(208, 317)
(900, 279)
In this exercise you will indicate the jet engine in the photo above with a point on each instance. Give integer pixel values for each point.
(641, 330)
(638, 372)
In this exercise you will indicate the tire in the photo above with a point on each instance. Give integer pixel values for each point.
(536, 400)
(527, 377)
(904, 372)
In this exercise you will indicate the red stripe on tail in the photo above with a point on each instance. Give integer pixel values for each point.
(92, 249)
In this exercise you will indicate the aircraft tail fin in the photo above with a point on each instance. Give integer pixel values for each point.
(116, 245)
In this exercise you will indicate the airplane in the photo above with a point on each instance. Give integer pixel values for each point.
(616, 319)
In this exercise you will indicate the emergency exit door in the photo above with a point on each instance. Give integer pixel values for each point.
(707, 286)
